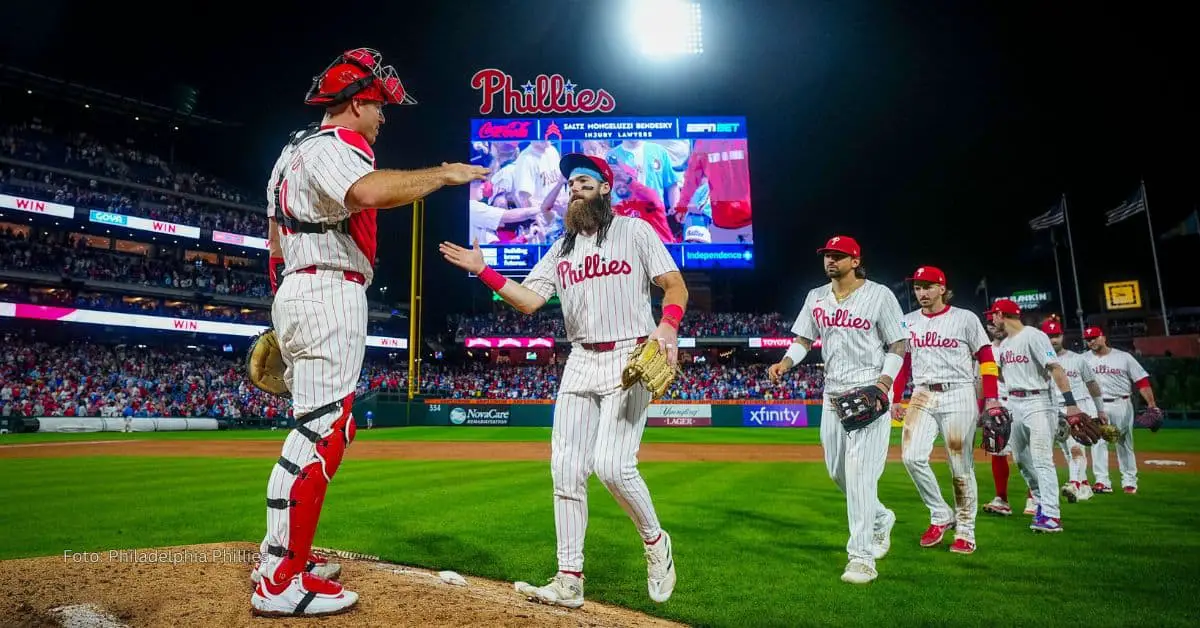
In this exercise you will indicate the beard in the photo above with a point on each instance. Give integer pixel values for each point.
(587, 216)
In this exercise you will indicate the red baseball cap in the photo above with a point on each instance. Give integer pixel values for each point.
(842, 244)
(1052, 327)
(1004, 306)
(1092, 332)
(930, 274)
(571, 161)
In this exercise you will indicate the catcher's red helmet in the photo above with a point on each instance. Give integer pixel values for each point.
(358, 74)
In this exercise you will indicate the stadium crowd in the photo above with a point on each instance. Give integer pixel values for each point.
(696, 324)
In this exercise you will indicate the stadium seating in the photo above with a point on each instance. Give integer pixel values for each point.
(695, 324)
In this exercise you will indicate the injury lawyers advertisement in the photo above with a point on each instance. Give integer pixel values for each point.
(153, 226)
(679, 415)
(775, 416)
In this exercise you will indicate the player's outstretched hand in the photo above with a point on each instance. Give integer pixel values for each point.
(776, 370)
(470, 260)
(667, 338)
(458, 174)
(898, 412)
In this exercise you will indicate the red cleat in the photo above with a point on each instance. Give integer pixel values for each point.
(934, 535)
(1100, 487)
(1130, 490)
(962, 546)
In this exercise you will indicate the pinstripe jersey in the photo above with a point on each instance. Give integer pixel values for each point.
(309, 183)
(605, 290)
(1024, 358)
(854, 334)
(1078, 373)
(944, 345)
(1001, 385)
(1116, 371)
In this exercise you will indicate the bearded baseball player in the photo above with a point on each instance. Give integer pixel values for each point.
(1029, 363)
(1118, 374)
(862, 344)
(321, 202)
(602, 271)
(1087, 393)
(945, 345)
(1000, 471)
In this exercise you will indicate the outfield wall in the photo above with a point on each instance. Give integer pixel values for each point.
(121, 424)
(540, 413)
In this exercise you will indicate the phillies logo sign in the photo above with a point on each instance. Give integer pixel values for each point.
(545, 94)
(840, 318)
(1008, 357)
(593, 267)
(931, 340)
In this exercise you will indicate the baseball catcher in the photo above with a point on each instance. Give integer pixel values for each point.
(996, 426)
(264, 364)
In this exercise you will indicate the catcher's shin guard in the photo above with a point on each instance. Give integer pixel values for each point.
(296, 492)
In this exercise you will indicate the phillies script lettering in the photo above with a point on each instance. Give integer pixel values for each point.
(1008, 357)
(931, 340)
(545, 94)
(1104, 369)
(591, 268)
(515, 130)
(840, 318)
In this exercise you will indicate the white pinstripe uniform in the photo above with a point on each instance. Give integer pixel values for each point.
(1116, 372)
(320, 310)
(853, 335)
(1079, 374)
(605, 295)
(1024, 362)
(944, 366)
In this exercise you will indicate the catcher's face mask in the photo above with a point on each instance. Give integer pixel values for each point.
(358, 74)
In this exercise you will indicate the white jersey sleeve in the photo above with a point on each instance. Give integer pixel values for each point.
(977, 337)
(805, 326)
(334, 166)
(1041, 350)
(890, 318)
(541, 278)
(1134, 368)
(656, 259)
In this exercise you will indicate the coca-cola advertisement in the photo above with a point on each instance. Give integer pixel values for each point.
(687, 178)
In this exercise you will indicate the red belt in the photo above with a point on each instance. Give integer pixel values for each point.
(1025, 393)
(605, 346)
(349, 275)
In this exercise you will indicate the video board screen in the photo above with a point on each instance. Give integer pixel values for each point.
(688, 177)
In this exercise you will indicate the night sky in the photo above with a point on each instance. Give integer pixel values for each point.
(932, 134)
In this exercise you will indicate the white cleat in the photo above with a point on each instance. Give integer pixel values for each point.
(1070, 492)
(882, 541)
(1030, 506)
(1084, 493)
(998, 507)
(305, 596)
(660, 569)
(562, 590)
(317, 566)
(858, 572)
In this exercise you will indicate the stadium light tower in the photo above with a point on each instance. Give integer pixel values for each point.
(666, 27)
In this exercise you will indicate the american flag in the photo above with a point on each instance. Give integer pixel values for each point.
(1135, 204)
(1056, 216)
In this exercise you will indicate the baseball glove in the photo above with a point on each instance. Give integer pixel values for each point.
(1084, 429)
(860, 407)
(1151, 418)
(996, 426)
(1109, 432)
(648, 365)
(264, 364)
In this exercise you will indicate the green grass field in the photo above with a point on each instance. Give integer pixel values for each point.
(757, 544)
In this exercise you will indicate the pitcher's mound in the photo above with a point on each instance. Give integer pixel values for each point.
(209, 585)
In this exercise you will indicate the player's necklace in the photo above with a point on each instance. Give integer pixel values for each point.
(846, 295)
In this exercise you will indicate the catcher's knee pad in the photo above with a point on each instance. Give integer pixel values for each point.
(307, 493)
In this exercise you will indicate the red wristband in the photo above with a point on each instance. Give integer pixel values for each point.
(492, 279)
(672, 315)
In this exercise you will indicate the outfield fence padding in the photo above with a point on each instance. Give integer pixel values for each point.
(121, 424)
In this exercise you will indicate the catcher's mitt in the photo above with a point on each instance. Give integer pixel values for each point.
(996, 426)
(1084, 429)
(648, 365)
(264, 364)
(860, 407)
(1151, 418)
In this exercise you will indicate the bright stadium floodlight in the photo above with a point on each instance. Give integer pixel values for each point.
(666, 27)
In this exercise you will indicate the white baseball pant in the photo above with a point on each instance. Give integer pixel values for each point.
(855, 462)
(1075, 453)
(1120, 414)
(597, 428)
(321, 323)
(1035, 422)
(954, 414)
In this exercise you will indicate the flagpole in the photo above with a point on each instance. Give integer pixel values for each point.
(1062, 296)
(1074, 270)
(1162, 298)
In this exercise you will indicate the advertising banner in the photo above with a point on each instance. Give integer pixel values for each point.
(36, 207)
(679, 415)
(508, 343)
(238, 239)
(133, 222)
(480, 415)
(775, 415)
